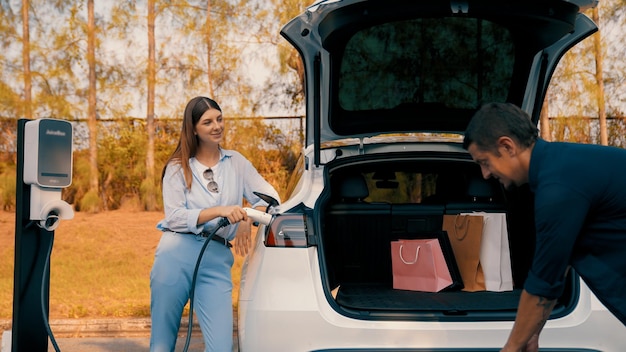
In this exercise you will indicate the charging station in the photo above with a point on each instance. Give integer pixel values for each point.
(44, 168)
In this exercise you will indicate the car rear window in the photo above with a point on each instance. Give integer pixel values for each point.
(453, 62)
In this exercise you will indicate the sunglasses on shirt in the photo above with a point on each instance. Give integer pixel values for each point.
(212, 185)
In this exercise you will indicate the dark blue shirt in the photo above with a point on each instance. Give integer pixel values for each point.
(580, 219)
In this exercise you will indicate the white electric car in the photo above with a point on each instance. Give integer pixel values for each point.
(390, 88)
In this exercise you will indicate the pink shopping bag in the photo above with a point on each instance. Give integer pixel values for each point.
(419, 265)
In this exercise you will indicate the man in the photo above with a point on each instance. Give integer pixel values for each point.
(580, 212)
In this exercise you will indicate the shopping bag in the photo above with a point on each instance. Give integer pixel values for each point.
(465, 233)
(448, 254)
(419, 265)
(495, 253)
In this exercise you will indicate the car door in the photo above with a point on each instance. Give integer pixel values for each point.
(539, 32)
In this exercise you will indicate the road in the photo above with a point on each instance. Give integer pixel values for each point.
(105, 335)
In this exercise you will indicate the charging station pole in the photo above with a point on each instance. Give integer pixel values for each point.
(31, 289)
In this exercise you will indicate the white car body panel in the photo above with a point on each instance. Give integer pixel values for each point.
(306, 321)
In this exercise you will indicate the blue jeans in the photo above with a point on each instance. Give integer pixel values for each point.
(170, 284)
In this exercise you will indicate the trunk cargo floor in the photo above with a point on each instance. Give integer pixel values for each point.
(383, 297)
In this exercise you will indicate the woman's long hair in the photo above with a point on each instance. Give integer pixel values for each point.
(188, 142)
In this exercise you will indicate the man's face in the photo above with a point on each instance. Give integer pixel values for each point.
(505, 167)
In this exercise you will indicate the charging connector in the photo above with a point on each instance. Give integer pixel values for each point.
(258, 216)
(51, 222)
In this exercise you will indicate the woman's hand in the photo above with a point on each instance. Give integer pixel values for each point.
(243, 237)
(233, 213)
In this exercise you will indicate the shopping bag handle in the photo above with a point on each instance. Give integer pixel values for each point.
(457, 226)
(414, 260)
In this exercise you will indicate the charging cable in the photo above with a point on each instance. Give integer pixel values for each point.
(44, 314)
(222, 223)
(44, 278)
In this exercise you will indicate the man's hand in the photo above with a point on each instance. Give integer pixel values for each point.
(532, 314)
(533, 344)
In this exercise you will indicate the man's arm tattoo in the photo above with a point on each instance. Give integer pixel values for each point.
(547, 305)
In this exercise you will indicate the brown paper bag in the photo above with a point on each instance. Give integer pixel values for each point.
(465, 233)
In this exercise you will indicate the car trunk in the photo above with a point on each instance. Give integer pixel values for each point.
(406, 197)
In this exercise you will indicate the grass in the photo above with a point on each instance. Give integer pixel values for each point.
(100, 265)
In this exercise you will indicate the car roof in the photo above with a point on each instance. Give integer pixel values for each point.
(398, 66)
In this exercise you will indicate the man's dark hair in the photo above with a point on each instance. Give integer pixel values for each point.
(494, 120)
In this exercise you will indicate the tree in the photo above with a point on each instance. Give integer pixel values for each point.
(588, 83)
(287, 64)
(10, 100)
(185, 65)
(55, 52)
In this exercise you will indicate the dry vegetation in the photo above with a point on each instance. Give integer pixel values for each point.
(100, 265)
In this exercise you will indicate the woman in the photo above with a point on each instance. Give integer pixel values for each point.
(202, 183)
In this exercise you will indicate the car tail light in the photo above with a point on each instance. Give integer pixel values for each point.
(287, 230)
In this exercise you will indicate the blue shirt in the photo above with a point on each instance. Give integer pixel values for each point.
(580, 220)
(236, 178)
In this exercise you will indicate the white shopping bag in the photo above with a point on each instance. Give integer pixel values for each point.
(495, 254)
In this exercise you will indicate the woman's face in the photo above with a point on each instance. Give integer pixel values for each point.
(210, 127)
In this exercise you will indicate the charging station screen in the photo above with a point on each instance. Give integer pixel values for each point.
(55, 153)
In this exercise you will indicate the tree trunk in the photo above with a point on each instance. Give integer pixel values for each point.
(209, 49)
(546, 133)
(599, 56)
(91, 100)
(149, 196)
(28, 101)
